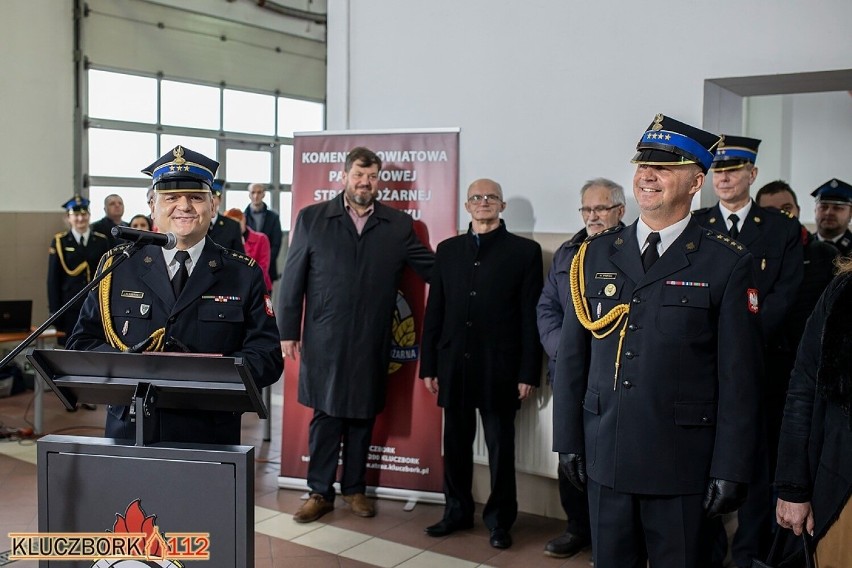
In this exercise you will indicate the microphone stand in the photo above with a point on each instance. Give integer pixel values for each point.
(127, 253)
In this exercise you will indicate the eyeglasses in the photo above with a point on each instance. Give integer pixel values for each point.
(490, 198)
(599, 209)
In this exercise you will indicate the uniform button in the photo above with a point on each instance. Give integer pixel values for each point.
(636, 300)
(684, 300)
(705, 419)
(476, 263)
(629, 354)
(172, 319)
(627, 384)
(127, 311)
(467, 355)
(632, 327)
(469, 323)
(473, 292)
(221, 316)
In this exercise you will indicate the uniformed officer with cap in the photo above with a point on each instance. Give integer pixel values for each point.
(655, 401)
(772, 237)
(74, 255)
(198, 297)
(833, 213)
(224, 230)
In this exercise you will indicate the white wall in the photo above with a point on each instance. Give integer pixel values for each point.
(36, 104)
(549, 94)
(806, 141)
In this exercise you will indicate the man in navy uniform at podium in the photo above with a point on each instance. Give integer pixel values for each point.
(197, 297)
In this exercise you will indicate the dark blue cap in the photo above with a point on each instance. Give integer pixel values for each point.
(670, 142)
(181, 169)
(217, 186)
(76, 203)
(834, 191)
(735, 152)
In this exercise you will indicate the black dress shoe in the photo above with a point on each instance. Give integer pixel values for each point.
(565, 546)
(445, 527)
(500, 538)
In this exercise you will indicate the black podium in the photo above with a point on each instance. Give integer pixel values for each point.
(200, 497)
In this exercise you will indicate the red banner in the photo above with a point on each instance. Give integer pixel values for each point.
(419, 176)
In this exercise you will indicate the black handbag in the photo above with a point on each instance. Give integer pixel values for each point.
(780, 555)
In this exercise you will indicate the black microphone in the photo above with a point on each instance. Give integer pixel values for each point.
(165, 240)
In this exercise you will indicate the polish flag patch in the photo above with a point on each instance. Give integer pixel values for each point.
(752, 300)
(267, 302)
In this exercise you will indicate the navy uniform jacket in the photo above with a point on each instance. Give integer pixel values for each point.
(226, 232)
(479, 331)
(684, 405)
(775, 243)
(223, 309)
(69, 269)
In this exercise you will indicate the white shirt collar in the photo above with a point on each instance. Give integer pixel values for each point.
(76, 235)
(742, 213)
(194, 254)
(667, 235)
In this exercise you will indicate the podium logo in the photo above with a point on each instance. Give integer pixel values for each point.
(135, 540)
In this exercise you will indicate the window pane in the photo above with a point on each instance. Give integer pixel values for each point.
(122, 97)
(240, 199)
(206, 146)
(247, 166)
(249, 112)
(119, 153)
(184, 104)
(299, 116)
(286, 165)
(134, 200)
(285, 210)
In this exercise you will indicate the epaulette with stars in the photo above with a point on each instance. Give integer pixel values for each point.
(240, 256)
(722, 238)
(609, 231)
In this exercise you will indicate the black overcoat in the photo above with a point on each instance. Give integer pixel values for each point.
(479, 334)
(223, 309)
(348, 285)
(815, 449)
(683, 406)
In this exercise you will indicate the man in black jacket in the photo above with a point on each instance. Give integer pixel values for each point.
(480, 351)
(833, 213)
(264, 220)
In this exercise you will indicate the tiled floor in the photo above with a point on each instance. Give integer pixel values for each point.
(393, 538)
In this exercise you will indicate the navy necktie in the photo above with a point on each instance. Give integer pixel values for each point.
(182, 275)
(651, 254)
(734, 232)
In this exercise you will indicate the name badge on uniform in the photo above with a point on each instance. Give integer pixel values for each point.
(132, 294)
(605, 275)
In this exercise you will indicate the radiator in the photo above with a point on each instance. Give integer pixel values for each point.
(533, 437)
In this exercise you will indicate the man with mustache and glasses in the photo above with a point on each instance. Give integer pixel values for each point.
(342, 272)
(602, 207)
